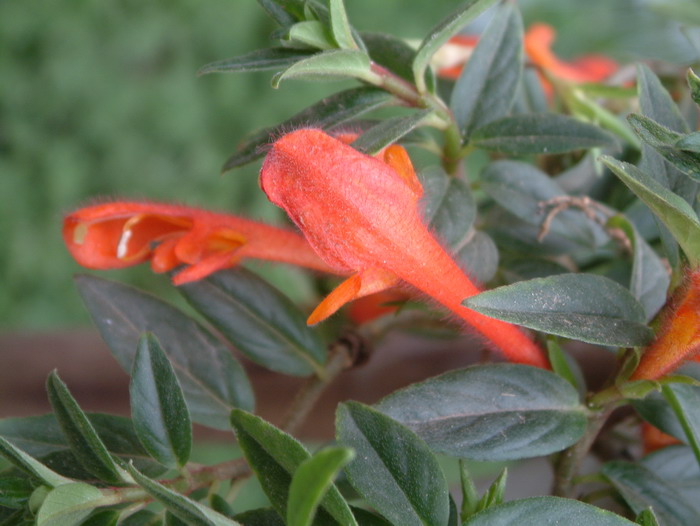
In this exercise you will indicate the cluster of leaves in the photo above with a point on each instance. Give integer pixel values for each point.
(547, 217)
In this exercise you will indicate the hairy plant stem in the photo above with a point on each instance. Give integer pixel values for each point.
(569, 461)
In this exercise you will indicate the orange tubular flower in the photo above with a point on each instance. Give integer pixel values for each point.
(361, 215)
(122, 234)
(679, 339)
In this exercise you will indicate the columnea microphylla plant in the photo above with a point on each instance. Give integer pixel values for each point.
(472, 182)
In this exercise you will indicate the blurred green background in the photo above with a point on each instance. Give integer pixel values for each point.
(99, 100)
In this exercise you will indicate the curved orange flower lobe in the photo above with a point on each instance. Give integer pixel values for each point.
(122, 234)
(361, 215)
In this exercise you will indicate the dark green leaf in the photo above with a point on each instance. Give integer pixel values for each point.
(340, 26)
(14, 491)
(102, 518)
(583, 307)
(390, 52)
(31, 466)
(329, 65)
(441, 33)
(261, 321)
(41, 437)
(689, 142)
(275, 456)
(655, 410)
(142, 518)
(365, 518)
(656, 103)
(685, 402)
(212, 380)
(258, 60)
(260, 517)
(650, 279)
(388, 132)
(311, 481)
(641, 488)
(69, 504)
(520, 188)
(82, 438)
(694, 83)
(326, 113)
(284, 12)
(158, 408)
(486, 89)
(394, 470)
(191, 512)
(675, 213)
(678, 467)
(525, 267)
(494, 495)
(448, 207)
(669, 144)
(546, 510)
(539, 133)
(491, 412)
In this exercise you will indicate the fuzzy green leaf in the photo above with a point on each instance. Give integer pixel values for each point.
(491, 412)
(311, 33)
(583, 307)
(311, 481)
(388, 132)
(69, 504)
(29, 465)
(275, 456)
(212, 380)
(332, 64)
(546, 510)
(548, 133)
(675, 213)
(641, 488)
(158, 407)
(332, 111)
(442, 32)
(340, 26)
(486, 89)
(694, 83)
(81, 435)
(394, 470)
(261, 321)
(259, 60)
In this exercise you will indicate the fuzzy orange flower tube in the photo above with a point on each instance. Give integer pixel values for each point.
(361, 215)
(679, 338)
(125, 233)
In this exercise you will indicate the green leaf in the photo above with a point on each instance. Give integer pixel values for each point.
(675, 213)
(311, 33)
(260, 517)
(441, 33)
(261, 321)
(491, 412)
(656, 103)
(212, 380)
(275, 456)
(694, 83)
(42, 438)
(106, 517)
(284, 12)
(668, 143)
(546, 510)
(14, 491)
(520, 188)
(470, 498)
(388, 132)
(548, 133)
(81, 435)
(689, 142)
(329, 65)
(478, 256)
(641, 488)
(69, 504)
(258, 60)
(394, 470)
(494, 495)
(685, 401)
(311, 481)
(392, 53)
(650, 280)
(584, 307)
(563, 365)
(143, 518)
(448, 207)
(191, 512)
(31, 466)
(326, 113)
(485, 91)
(340, 25)
(647, 518)
(158, 408)
(678, 467)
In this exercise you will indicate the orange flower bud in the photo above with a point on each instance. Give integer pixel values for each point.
(361, 215)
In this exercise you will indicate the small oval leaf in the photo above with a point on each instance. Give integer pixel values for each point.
(491, 412)
(69, 504)
(333, 64)
(583, 307)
